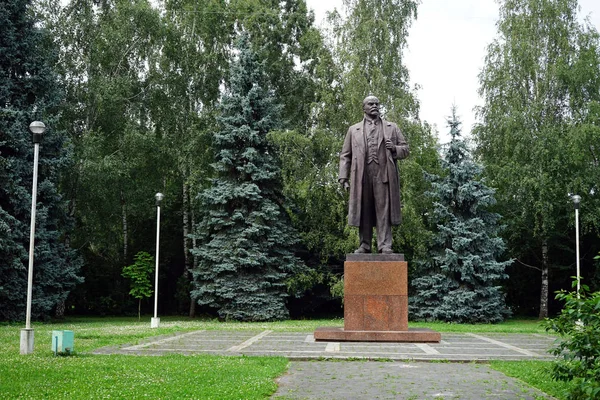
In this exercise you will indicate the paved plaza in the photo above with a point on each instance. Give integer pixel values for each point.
(303, 347)
(455, 368)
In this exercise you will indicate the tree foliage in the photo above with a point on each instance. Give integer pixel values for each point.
(143, 80)
(140, 273)
(539, 126)
(245, 255)
(29, 91)
(462, 270)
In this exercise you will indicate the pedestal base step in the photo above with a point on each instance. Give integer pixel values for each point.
(412, 335)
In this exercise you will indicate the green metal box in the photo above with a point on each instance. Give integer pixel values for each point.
(62, 341)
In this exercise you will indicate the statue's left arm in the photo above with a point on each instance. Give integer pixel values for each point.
(398, 145)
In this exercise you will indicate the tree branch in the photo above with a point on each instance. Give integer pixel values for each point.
(529, 266)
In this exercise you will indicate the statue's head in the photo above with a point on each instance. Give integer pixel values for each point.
(371, 106)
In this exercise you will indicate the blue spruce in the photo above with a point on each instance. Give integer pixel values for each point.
(29, 91)
(246, 252)
(460, 281)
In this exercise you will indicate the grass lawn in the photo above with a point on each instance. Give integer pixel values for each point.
(42, 375)
(534, 373)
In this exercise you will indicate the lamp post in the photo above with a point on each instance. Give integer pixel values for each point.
(37, 129)
(576, 200)
(155, 322)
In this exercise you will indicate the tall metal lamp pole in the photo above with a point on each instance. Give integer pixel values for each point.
(37, 129)
(576, 200)
(155, 322)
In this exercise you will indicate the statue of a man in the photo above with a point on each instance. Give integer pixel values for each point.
(368, 169)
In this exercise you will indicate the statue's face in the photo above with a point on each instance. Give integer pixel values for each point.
(371, 106)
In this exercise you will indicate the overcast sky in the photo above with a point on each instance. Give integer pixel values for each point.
(446, 50)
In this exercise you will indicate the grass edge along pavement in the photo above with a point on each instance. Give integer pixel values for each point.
(534, 373)
(41, 375)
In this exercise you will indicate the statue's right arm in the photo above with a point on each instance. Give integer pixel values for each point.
(345, 160)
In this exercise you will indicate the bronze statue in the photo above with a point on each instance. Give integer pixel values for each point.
(368, 169)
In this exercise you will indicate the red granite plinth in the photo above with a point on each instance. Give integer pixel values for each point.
(376, 295)
(412, 335)
(376, 302)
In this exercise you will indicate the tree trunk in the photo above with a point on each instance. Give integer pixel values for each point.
(544, 292)
(194, 266)
(186, 230)
(124, 216)
(60, 310)
(186, 242)
(139, 310)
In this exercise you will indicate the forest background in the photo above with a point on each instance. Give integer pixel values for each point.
(131, 92)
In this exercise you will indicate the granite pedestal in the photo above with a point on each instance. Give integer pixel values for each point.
(376, 302)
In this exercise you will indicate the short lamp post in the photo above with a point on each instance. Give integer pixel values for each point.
(155, 322)
(37, 129)
(576, 200)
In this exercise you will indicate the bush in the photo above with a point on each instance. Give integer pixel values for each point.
(579, 349)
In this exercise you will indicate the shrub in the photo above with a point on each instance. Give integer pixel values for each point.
(579, 348)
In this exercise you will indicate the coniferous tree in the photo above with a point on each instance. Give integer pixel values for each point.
(245, 257)
(461, 276)
(28, 91)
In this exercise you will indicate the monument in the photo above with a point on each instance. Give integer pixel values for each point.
(375, 283)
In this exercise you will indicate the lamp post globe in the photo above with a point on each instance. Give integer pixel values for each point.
(37, 129)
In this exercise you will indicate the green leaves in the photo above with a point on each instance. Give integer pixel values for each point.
(139, 273)
(540, 87)
(578, 325)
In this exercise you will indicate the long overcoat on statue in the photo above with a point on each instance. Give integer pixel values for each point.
(352, 166)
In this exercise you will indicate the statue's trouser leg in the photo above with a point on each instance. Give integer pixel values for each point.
(367, 209)
(381, 195)
(375, 210)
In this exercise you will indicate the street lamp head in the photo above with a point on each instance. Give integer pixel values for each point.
(159, 196)
(576, 200)
(37, 129)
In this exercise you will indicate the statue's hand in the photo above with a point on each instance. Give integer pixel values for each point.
(390, 146)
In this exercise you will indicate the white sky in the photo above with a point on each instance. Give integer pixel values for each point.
(446, 50)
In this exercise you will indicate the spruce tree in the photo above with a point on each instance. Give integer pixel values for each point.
(245, 256)
(461, 277)
(28, 91)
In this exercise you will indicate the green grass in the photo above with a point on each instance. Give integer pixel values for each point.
(534, 373)
(129, 377)
(42, 375)
(509, 326)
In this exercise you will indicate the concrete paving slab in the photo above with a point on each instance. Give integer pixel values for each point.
(302, 346)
